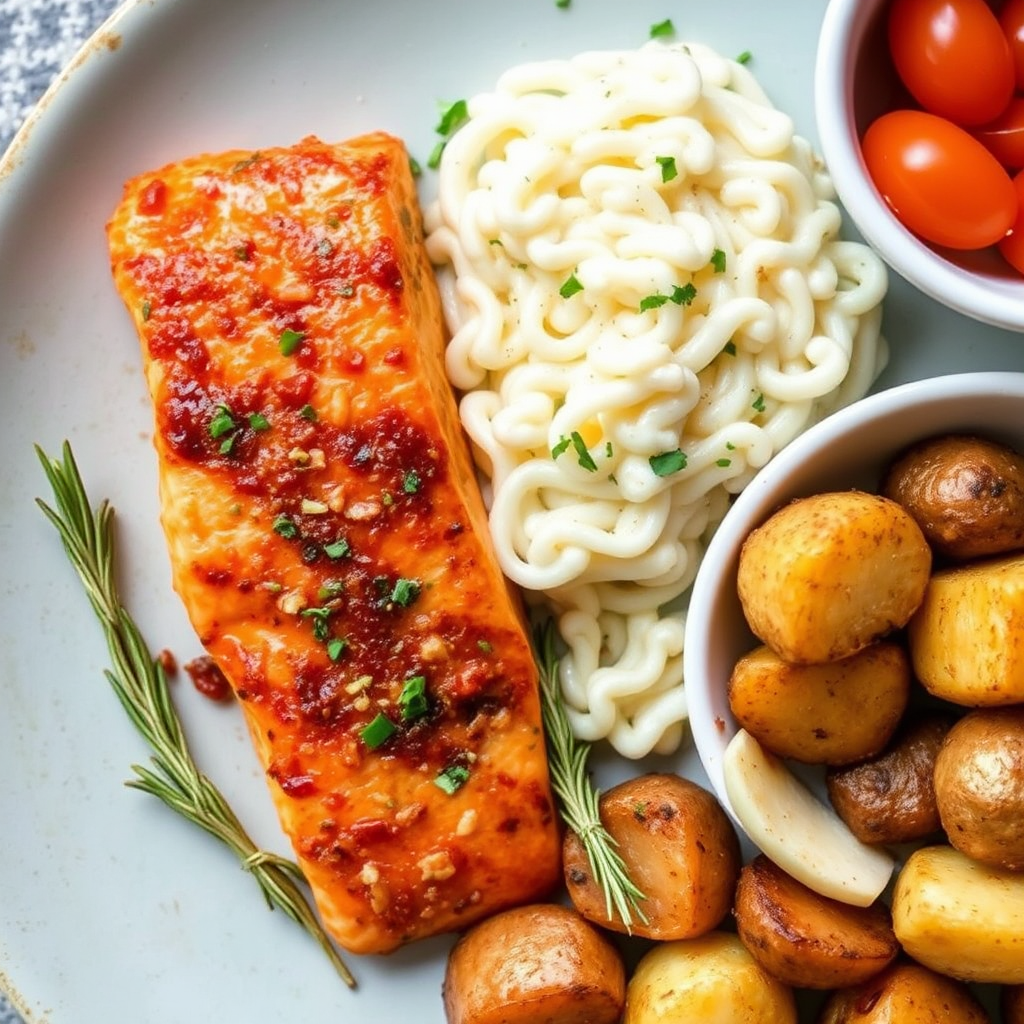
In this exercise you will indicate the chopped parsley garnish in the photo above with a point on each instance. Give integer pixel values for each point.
(744, 57)
(729, 348)
(378, 732)
(414, 167)
(723, 463)
(147, 308)
(758, 404)
(227, 445)
(718, 261)
(452, 778)
(662, 29)
(667, 463)
(585, 459)
(652, 301)
(321, 627)
(434, 160)
(453, 117)
(337, 549)
(570, 287)
(405, 591)
(285, 527)
(258, 421)
(411, 482)
(682, 295)
(668, 167)
(336, 647)
(222, 423)
(307, 412)
(562, 4)
(289, 341)
(563, 444)
(413, 698)
(485, 646)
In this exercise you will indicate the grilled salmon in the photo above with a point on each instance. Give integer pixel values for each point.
(326, 534)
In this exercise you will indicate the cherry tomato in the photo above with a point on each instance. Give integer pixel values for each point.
(940, 182)
(1012, 246)
(1004, 137)
(953, 56)
(1011, 17)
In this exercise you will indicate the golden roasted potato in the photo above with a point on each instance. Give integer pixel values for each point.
(711, 979)
(905, 993)
(979, 786)
(681, 851)
(540, 964)
(966, 493)
(807, 940)
(1012, 1004)
(827, 575)
(967, 638)
(961, 917)
(891, 798)
(830, 713)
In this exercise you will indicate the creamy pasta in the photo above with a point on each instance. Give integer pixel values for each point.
(647, 297)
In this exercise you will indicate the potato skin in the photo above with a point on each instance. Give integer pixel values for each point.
(905, 993)
(891, 798)
(711, 979)
(832, 713)
(966, 493)
(967, 639)
(960, 917)
(979, 786)
(807, 940)
(829, 574)
(539, 964)
(680, 848)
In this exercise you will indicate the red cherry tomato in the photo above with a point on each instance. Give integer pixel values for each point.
(1011, 17)
(940, 182)
(1004, 137)
(1012, 246)
(953, 56)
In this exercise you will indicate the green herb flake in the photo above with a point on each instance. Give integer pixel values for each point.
(147, 309)
(414, 167)
(387, 498)
(730, 348)
(562, 446)
(222, 423)
(411, 482)
(227, 445)
(285, 527)
(453, 117)
(683, 295)
(640, 810)
(583, 456)
(744, 57)
(258, 421)
(570, 287)
(378, 732)
(485, 645)
(723, 463)
(307, 412)
(562, 4)
(718, 261)
(452, 778)
(336, 647)
(758, 403)
(405, 591)
(667, 463)
(333, 221)
(321, 627)
(668, 167)
(242, 253)
(608, 449)
(663, 29)
(729, 446)
(246, 163)
(330, 590)
(434, 160)
(654, 301)
(413, 698)
(289, 341)
(337, 549)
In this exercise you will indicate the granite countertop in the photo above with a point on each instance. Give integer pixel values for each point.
(37, 38)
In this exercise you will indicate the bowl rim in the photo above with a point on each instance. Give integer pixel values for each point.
(763, 494)
(993, 302)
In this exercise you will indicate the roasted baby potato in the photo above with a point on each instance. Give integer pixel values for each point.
(905, 993)
(966, 493)
(979, 786)
(540, 964)
(681, 851)
(967, 638)
(805, 939)
(961, 917)
(827, 575)
(832, 713)
(711, 979)
(891, 798)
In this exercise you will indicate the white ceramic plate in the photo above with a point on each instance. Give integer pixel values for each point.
(110, 907)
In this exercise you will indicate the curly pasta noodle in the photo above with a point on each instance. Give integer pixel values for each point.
(647, 298)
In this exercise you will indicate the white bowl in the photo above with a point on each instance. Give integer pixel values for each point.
(851, 448)
(855, 82)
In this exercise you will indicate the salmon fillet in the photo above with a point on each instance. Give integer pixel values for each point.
(326, 534)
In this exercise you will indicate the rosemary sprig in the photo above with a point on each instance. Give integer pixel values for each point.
(140, 683)
(567, 759)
